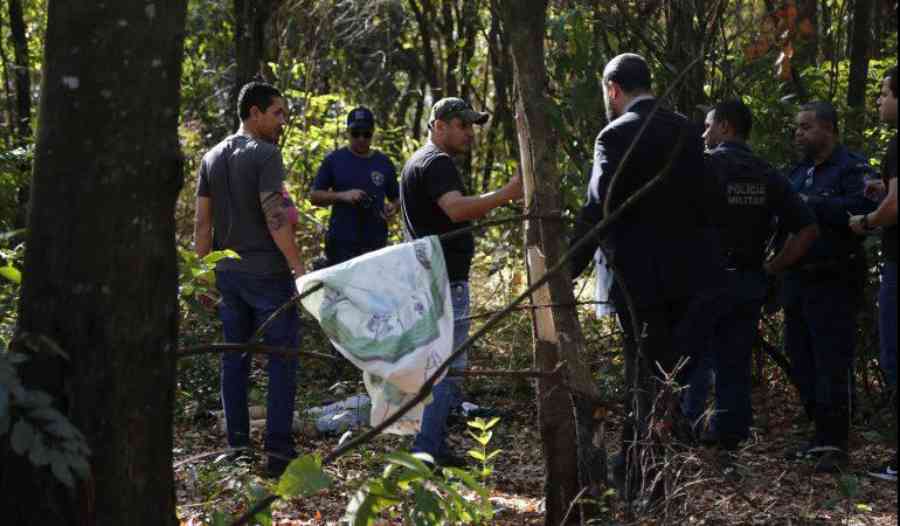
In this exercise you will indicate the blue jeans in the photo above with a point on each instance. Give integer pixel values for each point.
(447, 395)
(887, 326)
(247, 302)
(730, 356)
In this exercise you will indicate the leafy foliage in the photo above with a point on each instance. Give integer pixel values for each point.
(410, 490)
(36, 428)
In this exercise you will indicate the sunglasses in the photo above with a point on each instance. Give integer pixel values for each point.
(366, 134)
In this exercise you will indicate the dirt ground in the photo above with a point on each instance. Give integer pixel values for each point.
(765, 489)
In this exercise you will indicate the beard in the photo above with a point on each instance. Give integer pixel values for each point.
(610, 111)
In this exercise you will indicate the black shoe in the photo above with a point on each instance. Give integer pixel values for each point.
(805, 451)
(237, 455)
(449, 460)
(833, 462)
(709, 438)
(276, 465)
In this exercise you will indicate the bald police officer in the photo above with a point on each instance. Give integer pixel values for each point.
(820, 298)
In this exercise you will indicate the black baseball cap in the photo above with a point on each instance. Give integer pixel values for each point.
(453, 108)
(361, 118)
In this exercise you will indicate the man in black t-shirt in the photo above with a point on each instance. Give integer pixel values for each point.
(434, 203)
(886, 216)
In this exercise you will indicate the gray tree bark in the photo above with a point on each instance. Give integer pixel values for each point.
(566, 422)
(100, 265)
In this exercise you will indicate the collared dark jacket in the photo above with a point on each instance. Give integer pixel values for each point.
(667, 247)
(835, 193)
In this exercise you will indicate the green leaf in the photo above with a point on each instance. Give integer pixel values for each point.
(409, 462)
(38, 453)
(477, 455)
(864, 507)
(486, 438)
(428, 508)
(219, 519)
(80, 466)
(214, 257)
(22, 436)
(849, 486)
(493, 455)
(61, 472)
(12, 274)
(303, 477)
(478, 423)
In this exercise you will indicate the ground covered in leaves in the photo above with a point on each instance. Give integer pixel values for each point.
(763, 488)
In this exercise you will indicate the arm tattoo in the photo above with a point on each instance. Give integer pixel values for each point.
(273, 208)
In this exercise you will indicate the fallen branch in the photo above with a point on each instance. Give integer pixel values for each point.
(251, 348)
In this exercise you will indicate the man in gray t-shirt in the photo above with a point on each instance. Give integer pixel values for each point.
(233, 175)
(241, 206)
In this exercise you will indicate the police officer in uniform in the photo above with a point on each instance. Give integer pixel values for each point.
(757, 197)
(821, 296)
(360, 185)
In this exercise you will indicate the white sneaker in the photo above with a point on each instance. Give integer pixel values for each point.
(887, 472)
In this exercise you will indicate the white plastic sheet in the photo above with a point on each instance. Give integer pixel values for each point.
(390, 313)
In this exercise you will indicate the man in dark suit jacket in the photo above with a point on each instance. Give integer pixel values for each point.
(666, 249)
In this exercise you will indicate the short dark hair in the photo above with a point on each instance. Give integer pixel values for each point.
(629, 71)
(825, 112)
(259, 94)
(737, 114)
(892, 76)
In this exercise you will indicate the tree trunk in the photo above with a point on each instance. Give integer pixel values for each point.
(685, 43)
(250, 18)
(859, 72)
(22, 69)
(22, 77)
(100, 265)
(421, 13)
(566, 432)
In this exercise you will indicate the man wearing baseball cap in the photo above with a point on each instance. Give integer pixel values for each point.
(360, 186)
(434, 202)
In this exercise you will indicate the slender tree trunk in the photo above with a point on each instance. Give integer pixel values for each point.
(22, 71)
(421, 12)
(685, 43)
(8, 97)
(100, 266)
(567, 424)
(22, 68)
(859, 71)
(250, 19)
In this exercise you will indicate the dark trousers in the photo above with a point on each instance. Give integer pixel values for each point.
(339, 252)
(671, 331)
(729, 356)
(247, 302)
(820, 339)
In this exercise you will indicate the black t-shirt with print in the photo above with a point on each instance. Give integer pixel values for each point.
(428, 175)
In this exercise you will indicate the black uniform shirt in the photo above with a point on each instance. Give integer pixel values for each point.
(757, 197)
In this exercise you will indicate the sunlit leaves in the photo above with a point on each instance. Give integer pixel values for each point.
(303, 477)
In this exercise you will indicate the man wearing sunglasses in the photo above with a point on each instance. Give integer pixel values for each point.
(360, 186)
